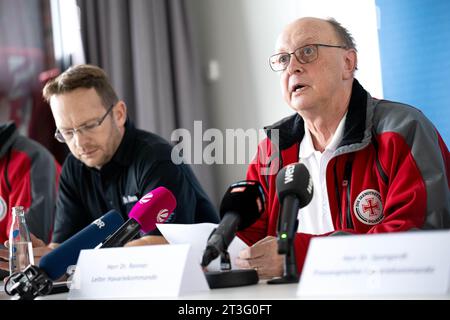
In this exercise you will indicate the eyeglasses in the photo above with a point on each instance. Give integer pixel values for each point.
(65, 135)
(305, 54)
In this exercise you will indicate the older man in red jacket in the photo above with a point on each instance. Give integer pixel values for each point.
(377, 166)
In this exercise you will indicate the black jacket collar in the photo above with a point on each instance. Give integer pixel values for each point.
(8, 132)
(123, 153)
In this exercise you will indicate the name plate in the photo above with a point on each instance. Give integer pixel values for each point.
(137, 273)
(395, 264)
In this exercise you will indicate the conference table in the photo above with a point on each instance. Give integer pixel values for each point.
(262, 291)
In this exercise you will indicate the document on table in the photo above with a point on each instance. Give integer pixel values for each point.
(197, 236)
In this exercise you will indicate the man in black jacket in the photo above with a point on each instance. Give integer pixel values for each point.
(112, 164)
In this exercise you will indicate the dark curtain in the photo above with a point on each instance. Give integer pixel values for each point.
(148, 49)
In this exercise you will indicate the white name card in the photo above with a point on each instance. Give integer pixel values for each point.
(137, 273)
(395, 264)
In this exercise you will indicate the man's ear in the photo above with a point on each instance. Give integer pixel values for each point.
(350, 63)
(120, 113)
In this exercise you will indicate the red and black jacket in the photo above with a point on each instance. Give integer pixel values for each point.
(390, 172)
(28, 177)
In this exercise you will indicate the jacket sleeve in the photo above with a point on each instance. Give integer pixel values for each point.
(415, 161)
(35, 174)
(193, 205)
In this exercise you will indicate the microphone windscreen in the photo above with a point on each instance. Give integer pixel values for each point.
(246, 198)
(155, 207)
(55, 263)
(294, 179)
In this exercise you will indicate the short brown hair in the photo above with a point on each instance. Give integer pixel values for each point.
(82, 76)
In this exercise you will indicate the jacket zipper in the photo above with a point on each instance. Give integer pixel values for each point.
(346, 186)
(338, 196)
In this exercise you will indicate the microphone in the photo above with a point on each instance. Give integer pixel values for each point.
(241, 206)
(155, 207)
(34, 281)
(295, 191)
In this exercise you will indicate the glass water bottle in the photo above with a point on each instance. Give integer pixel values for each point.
(20, 247)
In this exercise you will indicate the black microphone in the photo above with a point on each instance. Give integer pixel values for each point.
(154, 207)
(295, 191)
(241, 206)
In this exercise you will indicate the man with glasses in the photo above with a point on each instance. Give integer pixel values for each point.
(112, 164)
(376, 165)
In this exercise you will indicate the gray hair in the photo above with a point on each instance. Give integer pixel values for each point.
(343, 34)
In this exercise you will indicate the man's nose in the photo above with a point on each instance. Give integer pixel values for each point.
(294, 65)
(79, 138)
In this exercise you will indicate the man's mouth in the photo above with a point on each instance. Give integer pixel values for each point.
(297, 88)
(88, 153)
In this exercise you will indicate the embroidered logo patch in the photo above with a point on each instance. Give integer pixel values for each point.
(3, 209)
(129, 199)
(368, 207)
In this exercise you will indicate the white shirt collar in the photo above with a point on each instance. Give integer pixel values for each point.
(307, 147)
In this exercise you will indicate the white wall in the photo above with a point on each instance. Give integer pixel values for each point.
(239, 35)
(67, 31)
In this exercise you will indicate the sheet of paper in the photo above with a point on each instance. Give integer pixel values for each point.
(197, 235)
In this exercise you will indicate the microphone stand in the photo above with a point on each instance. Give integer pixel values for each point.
(226, 278)
(286, 245)
(290, 268)
(29, 283)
